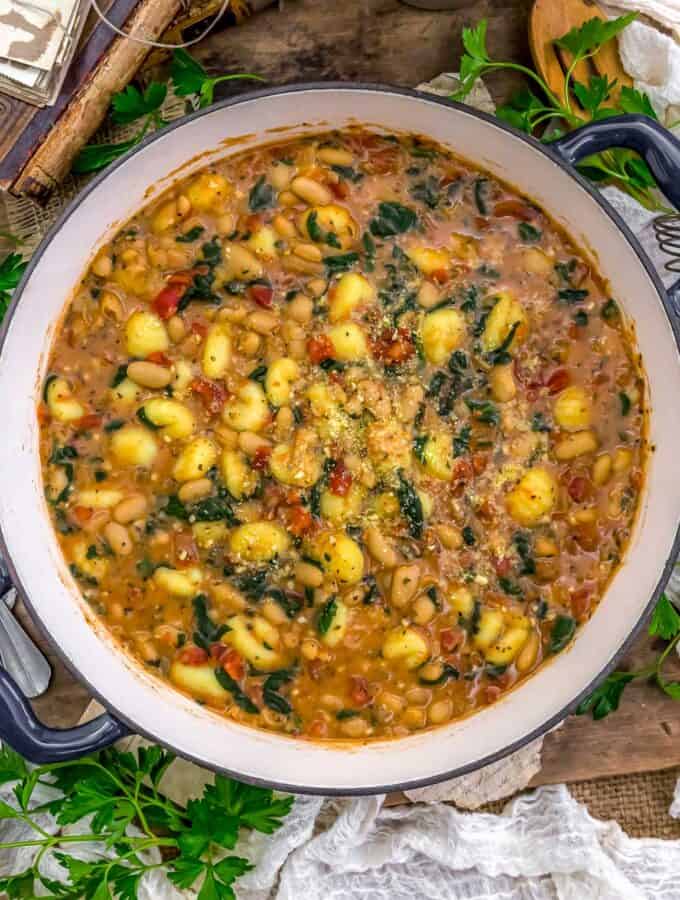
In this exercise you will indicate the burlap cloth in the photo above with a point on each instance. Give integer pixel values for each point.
(639, 803)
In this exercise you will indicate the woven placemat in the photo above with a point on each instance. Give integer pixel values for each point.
(639, 803)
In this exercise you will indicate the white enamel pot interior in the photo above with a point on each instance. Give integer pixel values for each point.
(154, 709)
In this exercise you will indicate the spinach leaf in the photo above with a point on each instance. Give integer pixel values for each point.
(610, 311)
(500, 356)
(480, 191)
(392, 218)
(348, 173)
(193, 234)
(240, 698)
(427, 192)
(272, 684)
(448, 671)
(326, 615)
(523, 546)
(207, 632)
(562, 632)
(419, 442)
(290, 605)
(252, 584)
(341, 262)
(528, 233)
(483, 410)
(539, 422)
(461, 442)
(572, 295)
(411, 505)
(262, 195)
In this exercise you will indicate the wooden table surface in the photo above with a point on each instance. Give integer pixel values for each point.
(383, 40)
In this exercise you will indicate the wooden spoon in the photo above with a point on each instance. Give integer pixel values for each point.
(550, 20)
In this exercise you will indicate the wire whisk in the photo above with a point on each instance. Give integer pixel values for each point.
(667, 231)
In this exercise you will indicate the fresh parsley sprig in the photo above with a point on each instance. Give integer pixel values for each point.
(605, 698)
(118, 790)
(189, 79)
(11, 269)
(531, 112)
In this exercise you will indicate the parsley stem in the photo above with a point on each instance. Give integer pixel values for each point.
(567, 114)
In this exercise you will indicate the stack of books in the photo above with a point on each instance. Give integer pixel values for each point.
(37, 41)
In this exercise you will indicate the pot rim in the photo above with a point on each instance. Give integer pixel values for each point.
(613, 215)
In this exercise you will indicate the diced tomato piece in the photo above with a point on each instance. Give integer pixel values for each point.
(382, 162)
(492, 692)
(43, 414)
(580, 602)
(503, 566)
(199, 328)
(394, 346)
(340, 479)
(81, 514)
(441, 276)
(233, 664)
(262, 294)
(91, 420)
(213, 395)
(186, 552)
(579, 488)
(159, 358)
(586, 536)
(558, 381)
(261, 457)
(359, 690)
(252, 222)
(461, 469)
(479, 462)
(166, 302)
(339, 189)
(514, 208)
(300, 521)
(451, 638)
(318, 729)
(217, 650)
(193, 656)
(320, 348)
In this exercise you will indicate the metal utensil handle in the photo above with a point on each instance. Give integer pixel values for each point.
(655, 144)
(39, 744)
(21, 657)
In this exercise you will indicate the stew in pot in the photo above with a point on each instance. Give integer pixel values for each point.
(343, 437)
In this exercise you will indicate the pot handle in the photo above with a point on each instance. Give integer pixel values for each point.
(39, 744)
(655, 144)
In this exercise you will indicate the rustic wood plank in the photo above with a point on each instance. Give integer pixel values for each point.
(375, 40)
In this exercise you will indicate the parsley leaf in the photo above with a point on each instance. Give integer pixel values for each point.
(605, 698)
(594, 94)
(190, 78)
(587, 38)
(11, 269)
(131, 104)
(665, 620)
